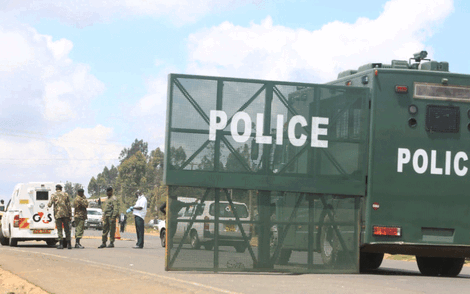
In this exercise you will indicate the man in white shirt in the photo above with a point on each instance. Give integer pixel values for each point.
(139, 211)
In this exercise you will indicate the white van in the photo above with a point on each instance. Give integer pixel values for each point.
(27, 216)
(202, 233)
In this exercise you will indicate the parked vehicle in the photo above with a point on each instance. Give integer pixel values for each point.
(202, 233)
(94, 218)
(27, 216)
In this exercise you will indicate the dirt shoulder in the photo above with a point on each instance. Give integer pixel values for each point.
(10, 283)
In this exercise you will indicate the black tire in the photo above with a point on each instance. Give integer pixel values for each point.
(51, 242)
(240, 247)
(451, 267)
(370, 261)
(329, 244)
(163, 238)
(429, 266)
(194, 240)
(13, 242)
(284, 256)
(4, 241)
(208, 245)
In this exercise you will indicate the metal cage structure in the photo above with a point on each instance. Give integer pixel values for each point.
(264, 175)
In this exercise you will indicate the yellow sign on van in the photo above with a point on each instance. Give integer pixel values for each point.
(24, 201)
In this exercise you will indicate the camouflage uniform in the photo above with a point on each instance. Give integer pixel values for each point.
(110, 213)
(62, 213)
(80, 204)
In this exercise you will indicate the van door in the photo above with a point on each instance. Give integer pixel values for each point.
(42, 217)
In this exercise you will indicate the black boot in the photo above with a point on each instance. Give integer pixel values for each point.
(61, 245)
(69, 244)
(103, 245)
(77, 244)
(111, 245)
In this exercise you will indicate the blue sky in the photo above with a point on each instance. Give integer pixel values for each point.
(80, 80)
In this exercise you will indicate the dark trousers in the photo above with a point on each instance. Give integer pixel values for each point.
(139, 228)
(63, 222)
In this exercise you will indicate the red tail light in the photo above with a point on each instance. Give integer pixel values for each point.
(387, 231)
(206, 225)
(16, 221)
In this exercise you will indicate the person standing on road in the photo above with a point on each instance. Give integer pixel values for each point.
(80, 215)
(2, 205)
(123, 221)
(62, 215)
(139, 211)
(110, 213)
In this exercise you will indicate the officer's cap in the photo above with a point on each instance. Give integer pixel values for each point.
(109, 189)
(58, 186)
(80, 190)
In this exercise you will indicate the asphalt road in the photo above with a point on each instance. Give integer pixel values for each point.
(126, 270)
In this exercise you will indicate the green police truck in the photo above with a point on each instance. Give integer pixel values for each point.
(417, 177)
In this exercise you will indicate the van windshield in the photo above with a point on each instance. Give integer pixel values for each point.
(94, 212)
(227, 211)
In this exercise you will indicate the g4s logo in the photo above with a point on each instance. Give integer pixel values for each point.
(38, 216)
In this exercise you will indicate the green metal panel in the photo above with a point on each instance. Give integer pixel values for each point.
(252, 231)
(279, 150)
(427, 198)
(280, 159)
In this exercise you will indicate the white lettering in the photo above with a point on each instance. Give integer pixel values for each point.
(214, 125)
(434, 169)
(448, 161)
(404, 157)
(298, 119)
(420, 169)
(260, 139)
(460, 155)
(234, 127)
(279, 129)
(316, 121)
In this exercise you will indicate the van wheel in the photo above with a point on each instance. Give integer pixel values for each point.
(284, 256)
(4, 241)
(208, 246)
(240, 247)
(435, 266)
(13, 242)
(195, 244)
(51, 242)
(428, 266)
(163, 238)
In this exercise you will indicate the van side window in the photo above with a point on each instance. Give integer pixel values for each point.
(42, 195)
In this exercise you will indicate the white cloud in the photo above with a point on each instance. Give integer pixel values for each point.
(75, 156)
(268, 51)
(38, 79)
(87, 151)
(86, 12)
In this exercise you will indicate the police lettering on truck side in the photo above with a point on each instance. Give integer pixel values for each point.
(218, 121)
(424, 161)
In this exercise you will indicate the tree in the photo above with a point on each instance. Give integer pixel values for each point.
(132, 177)
(137, 146)
(93, 187)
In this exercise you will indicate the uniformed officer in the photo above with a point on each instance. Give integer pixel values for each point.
(80, 204)
(110, 213)
(62, 214)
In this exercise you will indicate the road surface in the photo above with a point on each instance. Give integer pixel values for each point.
(126, 270)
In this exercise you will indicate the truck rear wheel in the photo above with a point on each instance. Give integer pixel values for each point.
(444, 266)
(370, 261)
(284, 256)
(13, 242)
